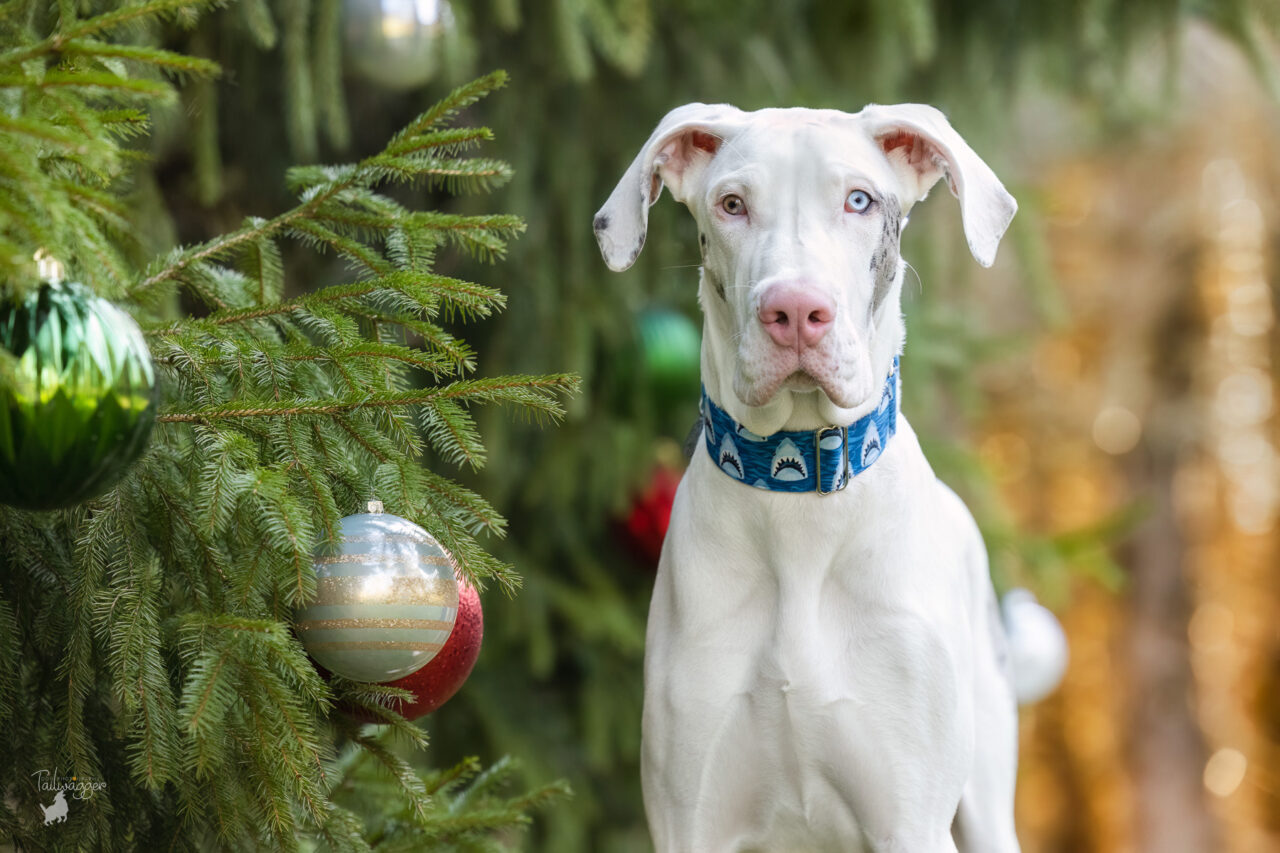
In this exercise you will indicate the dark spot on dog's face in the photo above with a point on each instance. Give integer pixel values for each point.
(600, 223)
(884, 260)
(715, 281)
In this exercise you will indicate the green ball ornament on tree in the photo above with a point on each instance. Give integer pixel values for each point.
(671, 353)
(80, 402)
(386, 599)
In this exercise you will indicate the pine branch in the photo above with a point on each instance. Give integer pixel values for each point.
(9, 647)
(376, 698)
(259, 22)
(429, 362)
(330, 182)
(456, 101)
(104, 23)
(327, 70)
(95, 82)
(414, 789)
(526, 391)
(179, 64)
(447, 142)
(262, 263)
(59, 138)
(363, 256)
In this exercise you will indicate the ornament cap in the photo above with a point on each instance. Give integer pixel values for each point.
(374, 507)
(49, 268)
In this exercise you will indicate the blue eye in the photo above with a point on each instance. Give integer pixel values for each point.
(857, 202)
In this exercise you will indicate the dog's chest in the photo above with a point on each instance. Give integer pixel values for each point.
(805, 641)
(801, 560)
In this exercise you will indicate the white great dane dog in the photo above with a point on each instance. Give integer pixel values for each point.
(825, 667)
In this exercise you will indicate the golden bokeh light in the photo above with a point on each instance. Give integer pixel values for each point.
(1224, 771)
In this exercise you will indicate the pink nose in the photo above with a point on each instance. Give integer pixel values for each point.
(795, 316)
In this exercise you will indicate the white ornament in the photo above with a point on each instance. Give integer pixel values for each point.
(1037, 645)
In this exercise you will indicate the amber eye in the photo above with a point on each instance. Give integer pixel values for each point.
(857, 202)
(733, 205)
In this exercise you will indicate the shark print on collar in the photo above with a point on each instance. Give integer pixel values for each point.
(822, 460)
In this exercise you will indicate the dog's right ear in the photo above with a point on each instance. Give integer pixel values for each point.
(686, 138)
(922, 146)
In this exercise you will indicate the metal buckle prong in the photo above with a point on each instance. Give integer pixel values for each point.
(818, 435)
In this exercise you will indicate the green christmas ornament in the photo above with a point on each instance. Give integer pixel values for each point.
(80, 403)
(386, 599)
(671, 352)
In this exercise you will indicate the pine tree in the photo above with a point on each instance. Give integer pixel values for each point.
(145, 641)
(592, 77)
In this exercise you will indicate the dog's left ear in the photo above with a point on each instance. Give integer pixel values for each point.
(922, 147)
(686, 139)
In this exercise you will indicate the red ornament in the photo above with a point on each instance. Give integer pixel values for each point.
(435, 683)
(645, 526)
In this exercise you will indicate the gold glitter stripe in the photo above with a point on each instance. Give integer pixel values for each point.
(398, 538)
(355, 589)
(357, 645)
(416, 560)
(421, 624)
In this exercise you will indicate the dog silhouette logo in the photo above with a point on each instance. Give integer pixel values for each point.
(57, 812)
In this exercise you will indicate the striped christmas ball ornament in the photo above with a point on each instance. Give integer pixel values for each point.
(438, 681)
(386, 599)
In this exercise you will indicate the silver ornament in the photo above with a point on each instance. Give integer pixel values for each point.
(386, 599)
(396, 43)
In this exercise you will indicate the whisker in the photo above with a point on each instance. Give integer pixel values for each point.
(919, 281)
(728, 145)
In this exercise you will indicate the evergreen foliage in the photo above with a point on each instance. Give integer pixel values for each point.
(593, 76)
(144, 636)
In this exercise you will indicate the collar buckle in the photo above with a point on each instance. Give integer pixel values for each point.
(819, 434)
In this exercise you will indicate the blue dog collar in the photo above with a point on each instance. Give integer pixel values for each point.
(822, 460)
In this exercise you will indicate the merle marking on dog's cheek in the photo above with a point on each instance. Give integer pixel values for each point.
(884, 260)
(716, 282)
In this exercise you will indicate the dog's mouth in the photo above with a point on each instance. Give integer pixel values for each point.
(801, 380)
(760, 392)
(838, 366)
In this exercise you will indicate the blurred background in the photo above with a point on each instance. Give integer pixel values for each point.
(1103, 398)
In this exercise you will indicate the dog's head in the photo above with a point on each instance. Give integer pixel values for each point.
(799, 217)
